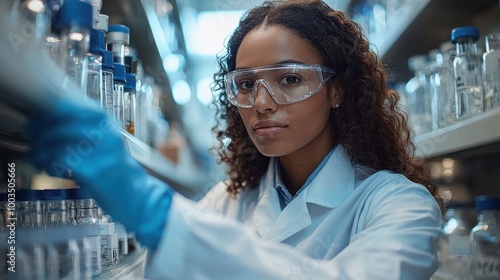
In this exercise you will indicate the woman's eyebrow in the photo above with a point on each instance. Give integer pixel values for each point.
(288, 61)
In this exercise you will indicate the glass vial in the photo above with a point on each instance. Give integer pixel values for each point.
(117, 38)
(454, 244)
(442, 88)
(74, 22)
(485, 237)
(108, 82)
(418, 98)
(119, 79)
(468, 74)
(130, 103)
(56, 207)
(86, 213)
(94, 78)
(491, 66)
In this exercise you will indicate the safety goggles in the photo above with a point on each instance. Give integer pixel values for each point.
(286, 83)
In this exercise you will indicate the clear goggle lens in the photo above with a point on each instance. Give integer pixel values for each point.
(286, 83)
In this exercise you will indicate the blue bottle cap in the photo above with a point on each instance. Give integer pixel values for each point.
(118, 28)
(56, 194)
(485, 202)
(28, 195)
(78, 193)
(130, 83)
(97, 42)
(119, 73)
(107, 60)
(74, 12)
(464, 32)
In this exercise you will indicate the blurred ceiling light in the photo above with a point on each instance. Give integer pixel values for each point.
(448, 163)
(163, 8)
(203, 92)
(181, 92)
(173, 63)
(36, 6)
(211, 30)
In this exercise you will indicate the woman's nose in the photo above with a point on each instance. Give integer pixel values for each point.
(263, 101)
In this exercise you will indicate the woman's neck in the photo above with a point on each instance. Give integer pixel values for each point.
(297, 167)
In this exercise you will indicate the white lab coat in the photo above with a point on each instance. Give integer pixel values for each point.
(347, 224)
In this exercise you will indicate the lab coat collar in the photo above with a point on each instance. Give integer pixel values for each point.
(331, 186)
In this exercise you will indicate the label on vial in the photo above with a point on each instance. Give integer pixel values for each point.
(94, 85)
(470, 100)
(114, 243)
(486, 268)
(106, 250)
(95, 253)
(107, 82)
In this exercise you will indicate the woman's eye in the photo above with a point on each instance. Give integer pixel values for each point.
(289, 80)
(246, 85)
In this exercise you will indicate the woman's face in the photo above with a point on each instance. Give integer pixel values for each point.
(278, 130)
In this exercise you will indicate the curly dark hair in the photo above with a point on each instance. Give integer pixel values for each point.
(369, 124)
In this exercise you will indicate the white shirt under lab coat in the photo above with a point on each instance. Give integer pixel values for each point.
(347, 224)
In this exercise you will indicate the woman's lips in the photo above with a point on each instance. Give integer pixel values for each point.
(268, 128)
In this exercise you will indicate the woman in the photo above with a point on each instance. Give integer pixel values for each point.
(322, 183)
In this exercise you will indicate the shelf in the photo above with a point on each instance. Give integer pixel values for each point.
(425, 26)
(162, 168)
(31, 83)
(476, 132)
(394, 31)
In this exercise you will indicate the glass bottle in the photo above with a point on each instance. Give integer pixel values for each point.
(144, 96)
(485, 238)
(29, 208)
(130, 103)
(74, 22)
(119, 79)
(106, 230)
(108, 82)
(468, 74)
(56, 207)
(72, 198)
(418, 98)
(86, 213)
(94, 78)
(114, 238)
(442, 87)
(454, 244)
(491, 66)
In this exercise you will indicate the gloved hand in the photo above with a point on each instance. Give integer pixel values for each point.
(79, 142)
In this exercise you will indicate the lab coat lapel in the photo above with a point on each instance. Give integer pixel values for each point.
(268, 207)
(291, 220)
(330, 187)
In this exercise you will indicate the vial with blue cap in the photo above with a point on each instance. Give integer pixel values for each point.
(107, 81)
(467, 68)
(94, 76)
(74, 22)
(485, 237)
(119, 79)
(130, 103)
(117, 38)
(491, 67)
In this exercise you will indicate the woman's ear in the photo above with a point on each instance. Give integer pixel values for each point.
(336, 94)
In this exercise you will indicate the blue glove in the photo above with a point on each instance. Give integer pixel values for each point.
(79, 142)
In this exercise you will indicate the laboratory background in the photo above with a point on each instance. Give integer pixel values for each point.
(150, 64)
